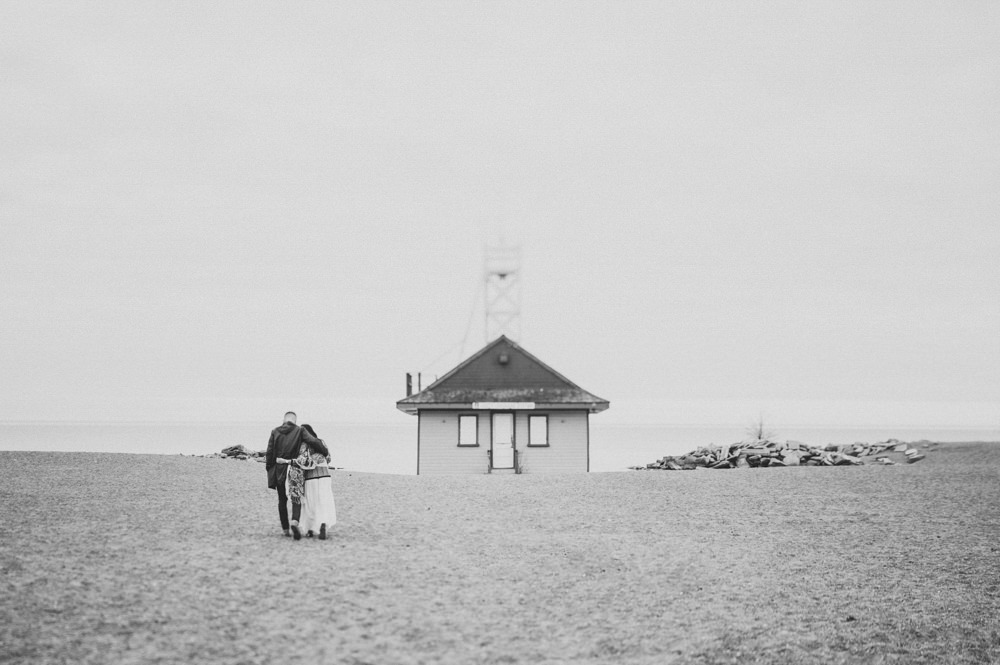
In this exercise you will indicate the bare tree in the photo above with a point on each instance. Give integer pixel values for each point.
(759, 430)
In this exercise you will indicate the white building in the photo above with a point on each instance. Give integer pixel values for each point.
(502, 411)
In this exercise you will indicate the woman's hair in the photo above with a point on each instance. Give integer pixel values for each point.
(307, 427)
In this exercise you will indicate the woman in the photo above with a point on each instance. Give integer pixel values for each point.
(319, 512)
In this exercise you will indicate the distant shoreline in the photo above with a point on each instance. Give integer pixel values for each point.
(408, 422)
(216, 455)
(393, 448)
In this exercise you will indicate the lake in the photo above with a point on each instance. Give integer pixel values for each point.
(391, 448)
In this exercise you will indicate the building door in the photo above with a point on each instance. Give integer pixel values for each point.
(503, 441)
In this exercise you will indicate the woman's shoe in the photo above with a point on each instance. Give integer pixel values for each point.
(322, 531)
(296, 534)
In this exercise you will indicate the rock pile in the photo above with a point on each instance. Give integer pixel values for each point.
(240, 453)
(766, 452)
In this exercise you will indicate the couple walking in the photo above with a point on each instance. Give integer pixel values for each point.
(297, 465)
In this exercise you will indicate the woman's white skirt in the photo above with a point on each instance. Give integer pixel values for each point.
(317, 505)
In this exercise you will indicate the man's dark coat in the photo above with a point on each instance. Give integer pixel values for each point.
(284, 443)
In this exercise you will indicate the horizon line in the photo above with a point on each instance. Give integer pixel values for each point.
(743, 426)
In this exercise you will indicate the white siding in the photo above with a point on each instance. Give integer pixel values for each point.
(439, 452)
(567, 451)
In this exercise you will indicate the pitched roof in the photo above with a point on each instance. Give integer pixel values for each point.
(502, 372)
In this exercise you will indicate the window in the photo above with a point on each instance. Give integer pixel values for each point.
(468, 430)
(538, 430)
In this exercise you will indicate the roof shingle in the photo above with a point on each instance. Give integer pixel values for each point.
(503, 372)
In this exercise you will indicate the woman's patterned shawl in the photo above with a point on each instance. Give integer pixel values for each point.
(305, 463)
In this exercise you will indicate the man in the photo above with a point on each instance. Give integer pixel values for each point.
(284, 445)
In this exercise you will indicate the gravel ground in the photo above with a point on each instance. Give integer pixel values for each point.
(160, 559)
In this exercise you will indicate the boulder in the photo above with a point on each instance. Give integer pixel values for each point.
(765, 453)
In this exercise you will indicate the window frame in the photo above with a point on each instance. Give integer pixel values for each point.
(475, 416)
(531, 443)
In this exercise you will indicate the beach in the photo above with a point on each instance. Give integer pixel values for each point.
(124, 558)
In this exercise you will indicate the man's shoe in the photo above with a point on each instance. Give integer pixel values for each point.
(287, 533)
(296, 534)
(322, 531)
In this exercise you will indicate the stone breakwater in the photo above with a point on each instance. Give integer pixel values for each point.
(243, 453)
(766, 453)
(240, 453)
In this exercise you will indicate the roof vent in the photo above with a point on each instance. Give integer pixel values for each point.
(503, 359)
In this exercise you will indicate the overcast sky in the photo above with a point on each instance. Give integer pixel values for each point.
(218, 211)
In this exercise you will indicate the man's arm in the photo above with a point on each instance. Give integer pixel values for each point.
(270, 457)
(315, 444)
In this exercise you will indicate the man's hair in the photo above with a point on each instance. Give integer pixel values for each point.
(292, 414)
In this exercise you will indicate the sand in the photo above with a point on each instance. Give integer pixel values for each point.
(161, 559)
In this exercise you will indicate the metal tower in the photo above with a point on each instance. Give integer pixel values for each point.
(503, 291)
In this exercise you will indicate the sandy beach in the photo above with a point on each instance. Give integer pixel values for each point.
(116, 558)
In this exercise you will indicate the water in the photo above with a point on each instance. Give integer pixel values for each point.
(373, 448)
(392, 448)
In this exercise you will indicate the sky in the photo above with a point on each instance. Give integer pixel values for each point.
(220, 211)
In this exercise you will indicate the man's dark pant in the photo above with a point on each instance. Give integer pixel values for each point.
(282, 507)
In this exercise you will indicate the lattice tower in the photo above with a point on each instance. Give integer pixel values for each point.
(502, 278)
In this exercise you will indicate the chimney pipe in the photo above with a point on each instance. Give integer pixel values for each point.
(409, 384)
